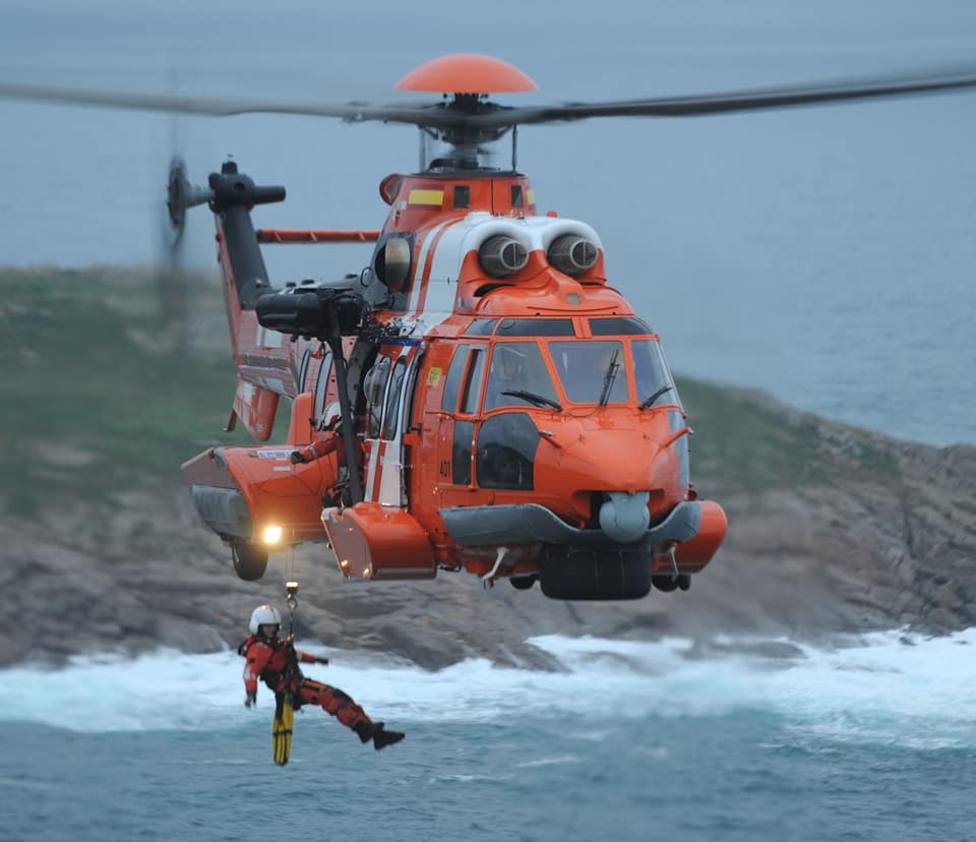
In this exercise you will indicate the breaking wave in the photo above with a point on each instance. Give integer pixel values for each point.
(887, 687)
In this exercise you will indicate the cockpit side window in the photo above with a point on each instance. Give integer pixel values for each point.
(453, 382)
(652, 375)
(515, 367)
(471, 391)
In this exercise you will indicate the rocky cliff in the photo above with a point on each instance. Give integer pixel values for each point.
(832, 529)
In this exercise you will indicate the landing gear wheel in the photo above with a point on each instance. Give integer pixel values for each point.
(668, 583)
(523, 583)
(250, 561)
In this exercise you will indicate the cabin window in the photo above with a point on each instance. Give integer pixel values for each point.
(588, 369)
(461, 453)
(535, 327)
(321, 388)
(411, 387)
(620, 326)
(303, 370)
(651, 373)
(462, 196)
(517, 196)
(390, 414)
(453, 382)
(472, 383)
(373, 387)
(518, 367)
(507, 445)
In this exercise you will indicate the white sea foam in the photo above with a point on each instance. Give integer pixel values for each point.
(888, 687)
(549, 761)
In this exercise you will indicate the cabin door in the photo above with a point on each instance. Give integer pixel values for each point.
(389, 390)
(457, 424)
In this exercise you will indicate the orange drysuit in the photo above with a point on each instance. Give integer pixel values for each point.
(275, 662)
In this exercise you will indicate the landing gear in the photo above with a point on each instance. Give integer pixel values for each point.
(250, 560)
(523, 583)
(670, 582)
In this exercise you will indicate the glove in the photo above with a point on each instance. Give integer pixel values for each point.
(297, 457)
(251, 700)
(320, 660)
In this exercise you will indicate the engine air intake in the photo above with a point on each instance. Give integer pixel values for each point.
(572, 254)
(501, 256)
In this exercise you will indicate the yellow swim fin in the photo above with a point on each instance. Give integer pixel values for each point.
(284, 720)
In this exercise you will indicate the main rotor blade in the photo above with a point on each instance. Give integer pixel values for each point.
(224, 106)
(441, 115)
(732, 101)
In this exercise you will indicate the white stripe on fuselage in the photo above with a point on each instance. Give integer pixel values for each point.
(374, 454)
(461, 236)
(418, 270)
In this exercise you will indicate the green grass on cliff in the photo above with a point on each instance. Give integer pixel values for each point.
(746, 441)
(102, 388)
(97, 391)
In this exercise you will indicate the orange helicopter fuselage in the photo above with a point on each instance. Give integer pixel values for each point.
(456, 470)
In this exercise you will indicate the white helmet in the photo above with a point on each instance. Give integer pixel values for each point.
(264, 615)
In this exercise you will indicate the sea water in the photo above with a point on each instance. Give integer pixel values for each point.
(875, 740)
(823, 254)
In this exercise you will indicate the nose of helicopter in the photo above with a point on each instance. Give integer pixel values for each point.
(631, 465)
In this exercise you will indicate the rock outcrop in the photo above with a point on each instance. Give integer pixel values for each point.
(806, 560)
(832, 529)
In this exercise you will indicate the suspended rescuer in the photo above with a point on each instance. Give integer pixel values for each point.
(275, 662)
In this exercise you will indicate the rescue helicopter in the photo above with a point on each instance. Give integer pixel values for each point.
(482, 397)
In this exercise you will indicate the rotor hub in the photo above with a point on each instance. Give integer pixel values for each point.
(467, 73)
(466, 80)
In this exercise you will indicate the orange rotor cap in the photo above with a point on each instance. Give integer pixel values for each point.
(467, 74)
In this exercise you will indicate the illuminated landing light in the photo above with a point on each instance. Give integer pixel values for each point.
(271, 535)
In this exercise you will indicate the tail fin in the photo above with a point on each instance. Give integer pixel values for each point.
(232, 195)
(265, 369)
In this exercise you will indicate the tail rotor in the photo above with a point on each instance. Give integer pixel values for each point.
(172, 283)
(181, 196)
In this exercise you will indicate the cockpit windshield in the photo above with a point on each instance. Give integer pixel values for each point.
(591, 371)
(654, 382)
(517, 367)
